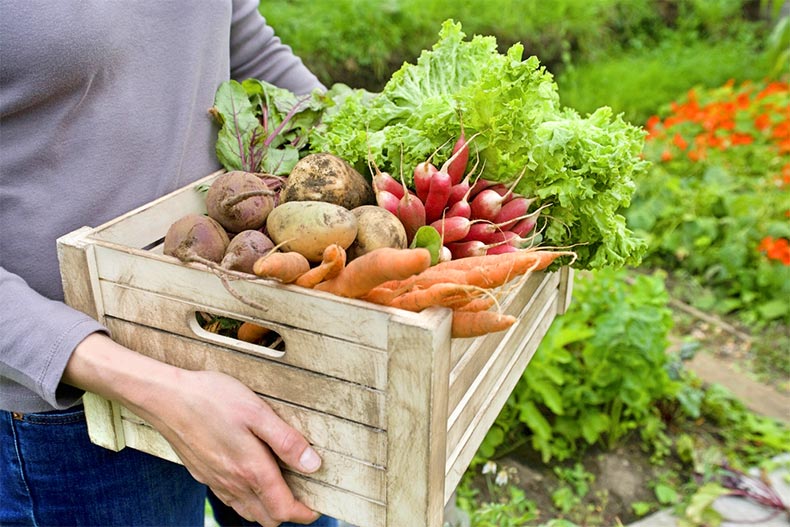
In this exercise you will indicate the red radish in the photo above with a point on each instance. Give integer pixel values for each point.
(501, 249)
(516, 208)
(452, 228)
(460, 208)
(384, 182)
(423, 173)
(487, 231)
(388, 200)
(410, 211)
(456, 167)
(445, 255)
(524, 226)
(487, 203)
(436, 199)
(467, 248)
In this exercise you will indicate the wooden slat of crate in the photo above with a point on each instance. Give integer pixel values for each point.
(326, 394)
(470, 422)
(145, 225)
(469, 365)
(511, 302)
(321, 430)
(315, 311)
(303, 349)
(340, 501)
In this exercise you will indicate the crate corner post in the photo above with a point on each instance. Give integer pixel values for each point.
(417, 396)
(80, 291)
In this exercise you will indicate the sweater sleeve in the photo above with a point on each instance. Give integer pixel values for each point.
(36, 342)
(256, 52)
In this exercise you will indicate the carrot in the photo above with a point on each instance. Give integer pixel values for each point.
(441, 294)
(478, 304)
(284, 267)
(249, 332)
(476, 323)
(332, 262)
(380, 265)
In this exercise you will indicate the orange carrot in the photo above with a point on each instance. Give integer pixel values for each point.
(476, 323)
(284, 267)
(380, 265)
(332, 262)
(441, 294)
(249, 332)
(478, 304)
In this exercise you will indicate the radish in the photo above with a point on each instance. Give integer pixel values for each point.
(463, 249)
(452, 228)
(489, 202)
(456, 167)
(382, 181)
(410, 211)
(388, 200)
(438, 192)
(423, 173)
(511, 211)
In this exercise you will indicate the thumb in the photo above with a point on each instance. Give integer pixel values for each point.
(287, 443)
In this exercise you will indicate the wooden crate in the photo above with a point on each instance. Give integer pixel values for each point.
(394, 406)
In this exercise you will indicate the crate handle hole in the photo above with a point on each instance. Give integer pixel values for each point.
(246, 336)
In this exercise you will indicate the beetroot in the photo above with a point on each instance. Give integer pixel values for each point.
(244, 250)
(196, 238)
(239, 201)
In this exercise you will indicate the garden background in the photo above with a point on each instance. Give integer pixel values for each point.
(613, 385)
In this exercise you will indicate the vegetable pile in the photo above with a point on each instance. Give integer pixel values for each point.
(462, 176)
(582, 167)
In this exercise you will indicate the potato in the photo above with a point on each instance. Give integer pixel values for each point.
(327, 177)
(376, 227)
(308, 227)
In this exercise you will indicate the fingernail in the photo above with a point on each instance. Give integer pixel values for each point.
(310, 460)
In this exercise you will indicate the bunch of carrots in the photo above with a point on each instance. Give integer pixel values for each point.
(405, 279)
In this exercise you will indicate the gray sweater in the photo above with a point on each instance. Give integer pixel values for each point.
(103, 107)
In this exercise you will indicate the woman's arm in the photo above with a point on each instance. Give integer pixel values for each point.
(225, 435)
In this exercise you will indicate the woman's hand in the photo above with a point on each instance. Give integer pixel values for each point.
(225, 434)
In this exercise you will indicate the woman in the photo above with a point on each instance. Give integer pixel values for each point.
(103, 107)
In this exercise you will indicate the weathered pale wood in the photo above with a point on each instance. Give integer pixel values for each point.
(323, 313)
(488, 397)
(361, 442)
(304, 349)
(77, 260)
(472, 363)
(339, 504)
(146, 224)
(326, 394)
(395, 407)
(566, 289)
(417, 415)
(340, 486)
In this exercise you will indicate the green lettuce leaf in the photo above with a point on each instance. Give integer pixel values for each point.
(581, 168)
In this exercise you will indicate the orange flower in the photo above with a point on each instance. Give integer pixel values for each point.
(666, 155)
(741, 139)
(762, 121)
(680, 142)
(776, 249)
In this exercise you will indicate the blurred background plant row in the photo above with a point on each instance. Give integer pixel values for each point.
(708, 80)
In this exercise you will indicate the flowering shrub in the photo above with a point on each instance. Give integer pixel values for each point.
(716, 202)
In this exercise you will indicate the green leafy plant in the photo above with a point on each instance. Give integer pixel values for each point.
(714, 203)
(598, 372)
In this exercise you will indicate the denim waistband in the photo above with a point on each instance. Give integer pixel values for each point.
(71, 415)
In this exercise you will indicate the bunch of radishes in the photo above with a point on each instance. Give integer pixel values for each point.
(474, 216)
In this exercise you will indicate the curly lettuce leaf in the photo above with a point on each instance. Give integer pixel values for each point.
(581, 168)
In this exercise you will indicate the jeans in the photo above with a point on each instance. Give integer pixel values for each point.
(51, 474)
